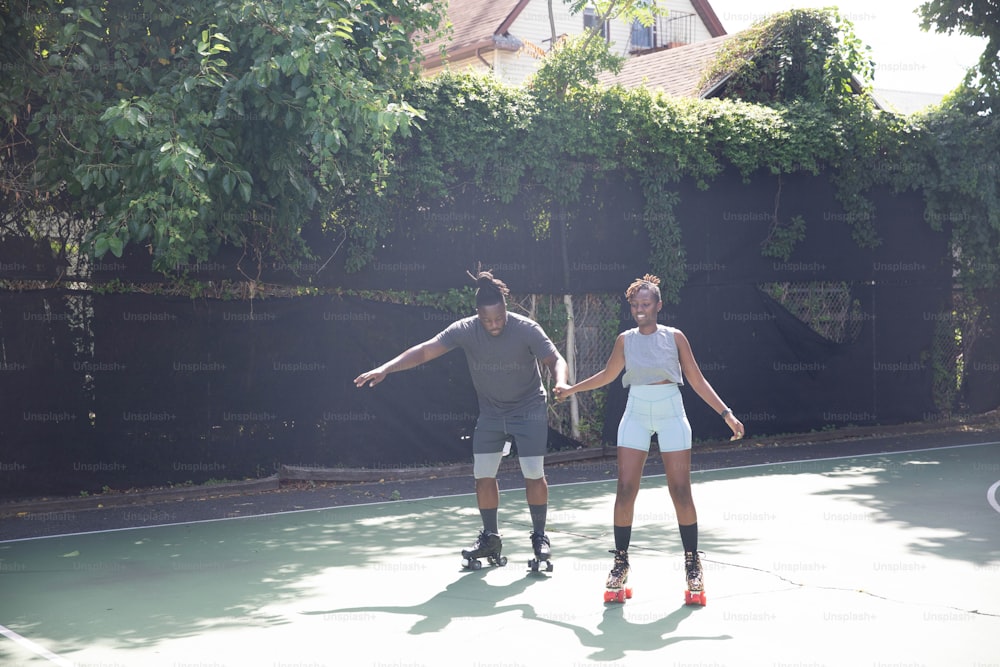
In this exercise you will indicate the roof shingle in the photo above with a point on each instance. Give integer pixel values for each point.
(676, 71)
(474, 23)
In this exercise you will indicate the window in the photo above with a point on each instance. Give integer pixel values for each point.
(642, 36)
(591, 21)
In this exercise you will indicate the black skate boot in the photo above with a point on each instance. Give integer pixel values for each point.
(695, 593)
(617, 590)
(487, 544)
(541, 546)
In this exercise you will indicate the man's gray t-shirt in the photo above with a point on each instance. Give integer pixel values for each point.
(504, 368)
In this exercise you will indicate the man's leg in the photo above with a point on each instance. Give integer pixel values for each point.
(532, 437)
(487, 452)
(487, 489)
(488, 500)
(537, 492)
(488, 544)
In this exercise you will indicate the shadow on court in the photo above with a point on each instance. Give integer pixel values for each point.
(868, 548)
(616, 636)
(469, 596)
(135, 590)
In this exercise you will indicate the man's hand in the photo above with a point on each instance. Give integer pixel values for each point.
(371, 378)
(562, 391)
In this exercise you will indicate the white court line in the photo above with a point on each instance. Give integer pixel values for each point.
(34, 648)
(850, 456)
(991, 496)
(460, 495)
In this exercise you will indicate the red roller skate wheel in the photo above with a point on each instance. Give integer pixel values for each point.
(695, 598)
(616, 596)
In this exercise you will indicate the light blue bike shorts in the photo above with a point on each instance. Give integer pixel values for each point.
(659, 409)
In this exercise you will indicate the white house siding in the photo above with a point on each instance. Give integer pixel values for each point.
(680, 7)
(514, 68)
(464, 65)
(533, 29)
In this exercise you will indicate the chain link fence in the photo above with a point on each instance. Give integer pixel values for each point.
(830, 309)
(596, 319)
(955, 333)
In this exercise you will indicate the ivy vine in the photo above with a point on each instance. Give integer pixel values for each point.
(796, 103)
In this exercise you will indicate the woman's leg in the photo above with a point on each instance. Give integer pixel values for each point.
(630, 465)
(677, 466)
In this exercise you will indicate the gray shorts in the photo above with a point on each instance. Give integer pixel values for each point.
(530, 432)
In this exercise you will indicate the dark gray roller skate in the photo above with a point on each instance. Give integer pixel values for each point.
(488, 545)
(541, 546)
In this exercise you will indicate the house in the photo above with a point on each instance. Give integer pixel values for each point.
(679, 72)
(507, 37)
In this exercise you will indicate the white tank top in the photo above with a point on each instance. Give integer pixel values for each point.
(651, 358)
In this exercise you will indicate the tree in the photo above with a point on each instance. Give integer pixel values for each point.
(977, 18)
(180, 127)
(577, 60)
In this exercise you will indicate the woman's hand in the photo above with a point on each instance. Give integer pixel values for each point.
(736, 425)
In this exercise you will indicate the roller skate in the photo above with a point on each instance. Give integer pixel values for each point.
(540, 545)
(695, 593)
(487, 544)
(615, 589)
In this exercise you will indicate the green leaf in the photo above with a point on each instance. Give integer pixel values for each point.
(87, 16)
(116, 246)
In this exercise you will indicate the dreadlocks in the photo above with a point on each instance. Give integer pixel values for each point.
(489, 290)
(647, 282)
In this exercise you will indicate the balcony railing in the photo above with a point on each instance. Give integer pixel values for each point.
(676, 29)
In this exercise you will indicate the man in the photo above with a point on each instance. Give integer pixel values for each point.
(503, 350)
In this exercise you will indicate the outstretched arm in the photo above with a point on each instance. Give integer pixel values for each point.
(702, 387)
(416, 355)
(616, 362)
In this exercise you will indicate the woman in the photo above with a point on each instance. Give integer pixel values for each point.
(656, 360)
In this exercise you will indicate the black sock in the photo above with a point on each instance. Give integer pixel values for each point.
(689, 536)
(538, 515)
(489, 520)
(623, 535)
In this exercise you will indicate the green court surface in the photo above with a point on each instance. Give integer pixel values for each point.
(872, 560)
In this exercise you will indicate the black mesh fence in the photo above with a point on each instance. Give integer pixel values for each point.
(124, 390)
(128, 390)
